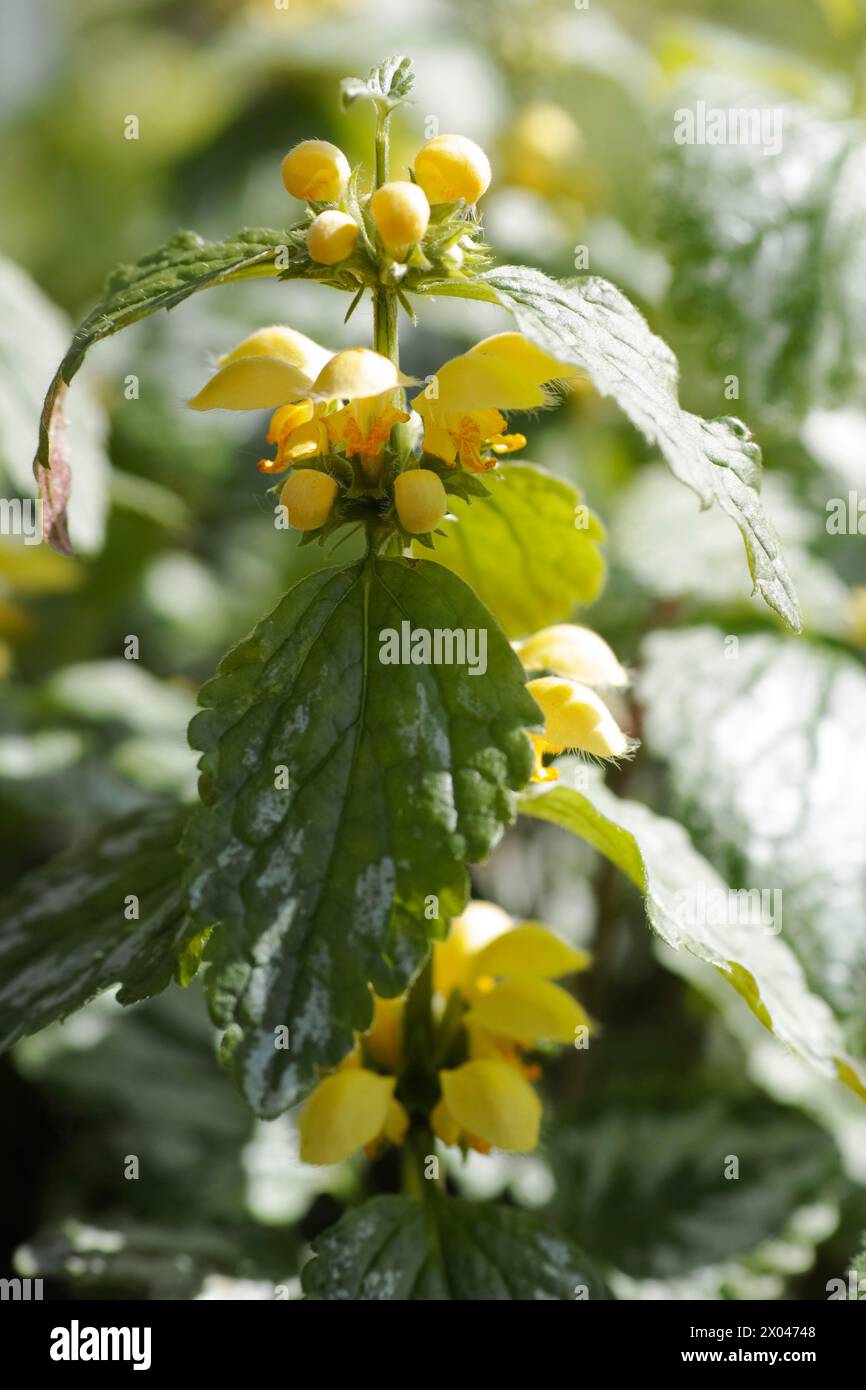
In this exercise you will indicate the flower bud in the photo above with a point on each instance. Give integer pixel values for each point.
(401, 213)
(316, 171)
(331, 237)
(308, 497)
(451, 167)
(420, 499)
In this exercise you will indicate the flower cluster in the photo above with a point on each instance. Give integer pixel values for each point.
(335, 413)
(494, 1000)
(451, 173)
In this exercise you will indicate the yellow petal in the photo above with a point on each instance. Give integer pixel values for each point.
(523, 356)
(384, 1042)
(284, 343)
(356, 373)
(289, 418)
(437, 440)
(528, 1012)
(495, 1102)
(505, 372)
(469, 383)
(507, 443)
(345, 1112)
(571, 650)
(253, 383)
(530, 949)
(576, 717)
(453, 959)
(444, 1125)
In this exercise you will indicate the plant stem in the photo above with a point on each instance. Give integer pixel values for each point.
(385, 335)
(419, 1015)
(385, 338)
(383, 132)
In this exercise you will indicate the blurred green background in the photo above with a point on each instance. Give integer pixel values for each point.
(753, 267)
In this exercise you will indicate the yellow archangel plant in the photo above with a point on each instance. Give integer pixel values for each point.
(334, 431)
(355, 448)
(323, 875)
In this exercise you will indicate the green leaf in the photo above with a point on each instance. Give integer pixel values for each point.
(649, 1185)
(589, 324)
(160, 280)
(769, 244)
(689, 907)
(388, 85)
(64, 935)
(397, 1248)
(533, 528)
(767, 754)
(396, 776)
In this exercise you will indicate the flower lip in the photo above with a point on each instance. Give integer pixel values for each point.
(281, 341)
(346, 1111)
(253, 383)
(491, 1100)
(576, 717)
(356, 374)
(502, 372)
(571, 650)
(272, 367)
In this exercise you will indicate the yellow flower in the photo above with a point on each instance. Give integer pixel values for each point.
(462, 407)
(355, 1108)
(315, 171)
(420, 499)
(343, 399)
(487, 1104)
(350, 1110)
(575, 715)
(367, 381)
(451, 167)
(331, 237)
(401, 213)
(504, 973)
